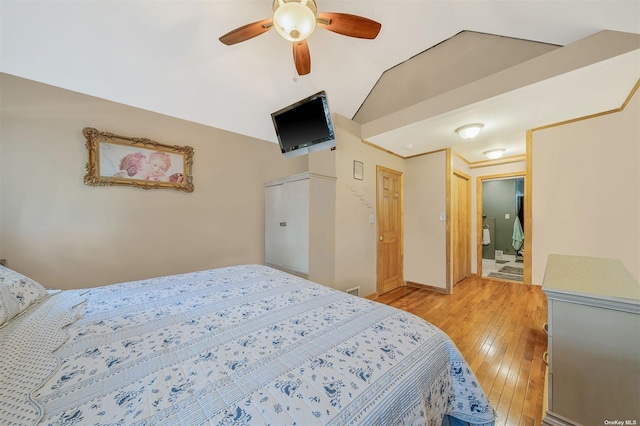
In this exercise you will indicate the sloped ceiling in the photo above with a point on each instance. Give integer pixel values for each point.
(587, 77)
(464, 58)
(165, 56)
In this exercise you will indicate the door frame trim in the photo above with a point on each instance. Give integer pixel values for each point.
(380, 168)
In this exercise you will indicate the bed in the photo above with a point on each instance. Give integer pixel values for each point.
(240, 345)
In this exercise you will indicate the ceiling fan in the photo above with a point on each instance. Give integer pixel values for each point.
(295, 20)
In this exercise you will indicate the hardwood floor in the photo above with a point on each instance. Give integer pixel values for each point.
(498, 328)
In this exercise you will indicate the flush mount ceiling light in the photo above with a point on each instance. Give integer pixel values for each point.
(469, 131)
(494, 154)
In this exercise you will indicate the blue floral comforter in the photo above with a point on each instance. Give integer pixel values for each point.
(242, 345)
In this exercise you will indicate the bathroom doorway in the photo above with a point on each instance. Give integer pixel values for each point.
(501, 219)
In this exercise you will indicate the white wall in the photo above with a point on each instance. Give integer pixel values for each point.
(65, 234)
(586, 190)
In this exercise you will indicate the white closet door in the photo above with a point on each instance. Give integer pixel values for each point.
(296, 202)
(274, 219)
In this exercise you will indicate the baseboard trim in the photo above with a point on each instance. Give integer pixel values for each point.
(372, 296)
(426, 287)
(291, 271)
(553, 419)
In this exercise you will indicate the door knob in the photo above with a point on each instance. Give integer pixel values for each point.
(380, 237)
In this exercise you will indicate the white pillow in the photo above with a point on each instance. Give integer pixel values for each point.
(17, 293)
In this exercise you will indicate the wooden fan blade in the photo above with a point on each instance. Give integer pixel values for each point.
(302, 57)
(247, 32)
(349, 25)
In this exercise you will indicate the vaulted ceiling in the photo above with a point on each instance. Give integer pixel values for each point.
(436, 65)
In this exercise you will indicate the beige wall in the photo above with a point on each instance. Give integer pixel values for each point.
(425, 234)
(356, 242)
(68, 235)
(586, 190)
(424, 199)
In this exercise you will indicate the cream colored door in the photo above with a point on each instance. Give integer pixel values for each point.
(287, 226)
(390, 229)
(273, 225)
(295, 202)
(461, 219)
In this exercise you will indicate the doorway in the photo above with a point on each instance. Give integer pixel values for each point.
(390, 229)
(501, 223)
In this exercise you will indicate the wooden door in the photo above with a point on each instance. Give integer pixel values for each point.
(390, 230)
(461, 219)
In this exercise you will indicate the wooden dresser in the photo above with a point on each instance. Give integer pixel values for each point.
(594, 342)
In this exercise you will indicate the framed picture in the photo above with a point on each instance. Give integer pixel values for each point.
(138, 162)
(358, 170)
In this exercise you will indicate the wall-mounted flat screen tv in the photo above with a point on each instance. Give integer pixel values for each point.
(304, 126)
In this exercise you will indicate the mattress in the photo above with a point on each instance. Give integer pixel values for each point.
(240, 345)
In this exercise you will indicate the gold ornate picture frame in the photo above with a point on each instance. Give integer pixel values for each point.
(138, 162)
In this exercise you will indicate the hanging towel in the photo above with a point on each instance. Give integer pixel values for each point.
(518, 235)
(486, 237)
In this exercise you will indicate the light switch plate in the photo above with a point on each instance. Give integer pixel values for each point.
(372, 219)
(506, 215)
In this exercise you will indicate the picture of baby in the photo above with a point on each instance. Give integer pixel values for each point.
(131, 164)
(138, 164)
(159, 163)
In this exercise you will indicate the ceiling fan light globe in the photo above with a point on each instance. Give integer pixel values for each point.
(294, 21)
